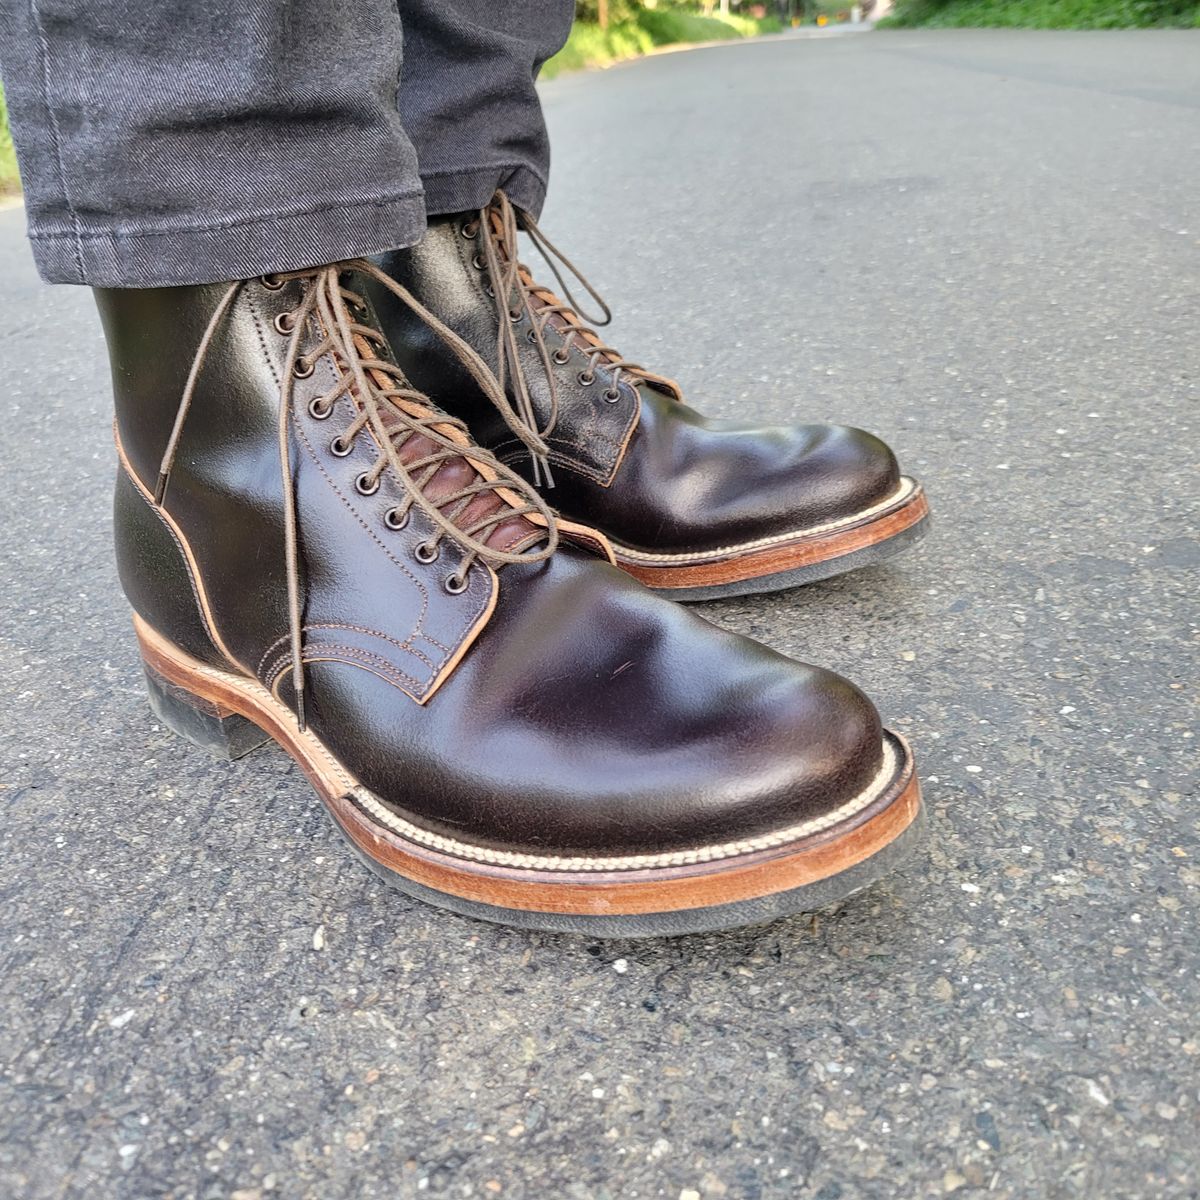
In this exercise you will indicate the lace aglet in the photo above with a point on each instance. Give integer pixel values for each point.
(301, 723)
(542, 477)
(160, 488)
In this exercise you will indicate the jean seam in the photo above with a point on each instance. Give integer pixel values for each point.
(479, 170)
(56, 139)
(116, 235)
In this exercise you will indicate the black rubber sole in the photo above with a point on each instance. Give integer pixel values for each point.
(868, 556)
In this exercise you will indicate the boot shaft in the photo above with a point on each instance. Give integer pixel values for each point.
(208, 565)
(153, 335)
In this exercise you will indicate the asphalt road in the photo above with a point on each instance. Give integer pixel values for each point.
(985, 246)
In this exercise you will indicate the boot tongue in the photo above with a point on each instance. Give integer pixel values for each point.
(509, 536)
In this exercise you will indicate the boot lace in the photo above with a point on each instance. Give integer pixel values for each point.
(414, 441)
(516, 295)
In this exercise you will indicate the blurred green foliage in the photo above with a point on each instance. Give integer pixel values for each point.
(588, 11)
(591, 46)
(1044, 14)
(669, 25)
(9, 180)
(642, 30)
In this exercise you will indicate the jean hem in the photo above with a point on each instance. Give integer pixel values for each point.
(471, 188)
(237, 249)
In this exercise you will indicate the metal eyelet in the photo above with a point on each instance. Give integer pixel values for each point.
(611, 395)
(516, 317)
(339, 447)
(478, 263)
(285, 322)
(423, 552)
(470, 230)
(455, 584)
(586, 378)
(303, 369)
(394, 520)
(531, 338)
(365, 486)
(319, 411)
(271, 282)
(562, 357)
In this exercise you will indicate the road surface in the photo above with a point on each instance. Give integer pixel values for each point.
(983, 245)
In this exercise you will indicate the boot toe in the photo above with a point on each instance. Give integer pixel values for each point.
(840, 471)
(820, 745)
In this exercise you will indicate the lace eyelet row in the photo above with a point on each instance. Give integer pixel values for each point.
(285, 325)
(424, 552)
(611, 395)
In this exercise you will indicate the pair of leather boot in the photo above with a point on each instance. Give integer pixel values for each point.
(439, 607)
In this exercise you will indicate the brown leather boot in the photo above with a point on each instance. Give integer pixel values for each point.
(695, 507)
(499, 720)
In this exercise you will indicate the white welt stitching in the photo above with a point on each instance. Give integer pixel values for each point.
(907, 487)
(679, 858)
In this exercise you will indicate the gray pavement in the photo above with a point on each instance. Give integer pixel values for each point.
(986, 246)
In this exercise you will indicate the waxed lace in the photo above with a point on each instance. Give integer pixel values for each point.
(393, 412)
(516, 294)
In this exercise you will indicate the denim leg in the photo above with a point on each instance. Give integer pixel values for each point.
(172, 142)
(468, 100)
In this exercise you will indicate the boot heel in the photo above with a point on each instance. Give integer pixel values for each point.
(204, 723)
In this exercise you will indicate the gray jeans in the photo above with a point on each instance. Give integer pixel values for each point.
(189, 141)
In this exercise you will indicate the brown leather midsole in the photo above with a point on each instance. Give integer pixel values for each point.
(734, 566)
(618, 892)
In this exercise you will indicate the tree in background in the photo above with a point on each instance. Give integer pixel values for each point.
(605, 12)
